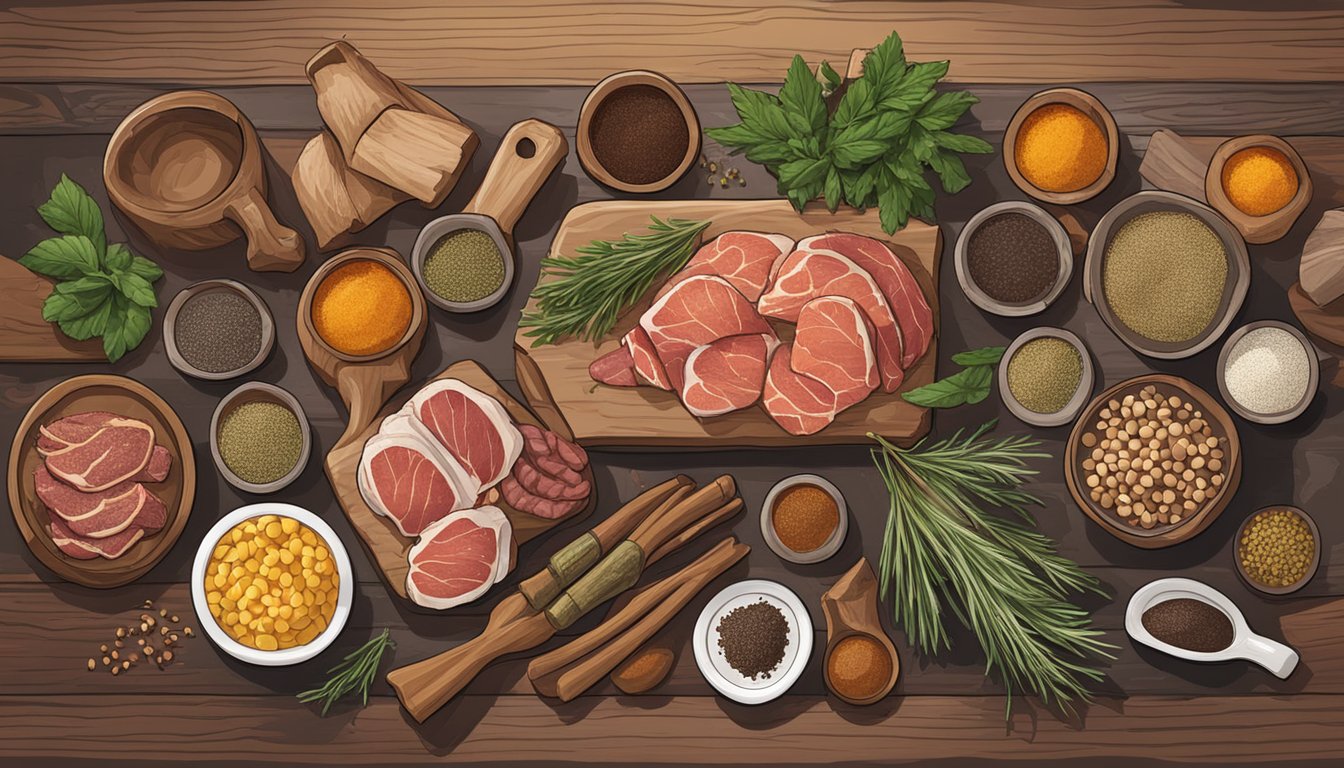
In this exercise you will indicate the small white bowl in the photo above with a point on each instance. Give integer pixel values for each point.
(345, 595)
(715, 668)
(830, 546)
(1274, 656)
(1313, 373)
(1081, 396)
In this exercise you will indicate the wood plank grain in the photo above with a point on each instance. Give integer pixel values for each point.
(523, 731)
(743, 40)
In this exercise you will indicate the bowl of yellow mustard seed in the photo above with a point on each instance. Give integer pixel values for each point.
(1278, 549)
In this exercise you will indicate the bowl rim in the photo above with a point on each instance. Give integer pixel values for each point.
(1081, 396)
(344, 596)
(429, 236)
(380, 255)
(609, 85)
(285, 398)
(983, 300)
(1092, 107)
(1313, 373)
(802, 633)
(1270, 226)
(1234, 291)
(1311, 567)
(832, 543)
(198, 288)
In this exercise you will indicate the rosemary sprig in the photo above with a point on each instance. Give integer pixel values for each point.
(355, 673)
(943, 553)
(585, 294)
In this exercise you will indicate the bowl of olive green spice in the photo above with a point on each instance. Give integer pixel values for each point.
(461, 265)
(1046, 377)
(1278, 549)
(260, 438)
(1166, 273)
(217, 329)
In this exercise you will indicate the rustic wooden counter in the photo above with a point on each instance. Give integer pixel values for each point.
(70, 70)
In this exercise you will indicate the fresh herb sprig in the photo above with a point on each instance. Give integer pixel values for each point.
(888, 127)
(101, 289)
(583, 295)
(943, 554)
(969, 385)
(354, 674)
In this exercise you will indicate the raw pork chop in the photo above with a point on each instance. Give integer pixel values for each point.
(697, 311)
(102, 514)
(460, 557)
(404, 477)
(727, 374)
(615, 369)
(806, 275)
(800, 404)
(644, 356)
(744, 259)
(115, 452)
(86, 548)
(834, 345)
(472, 426)
(913, 314)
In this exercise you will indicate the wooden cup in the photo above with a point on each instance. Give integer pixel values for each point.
(1272, 226)
(1089, 105)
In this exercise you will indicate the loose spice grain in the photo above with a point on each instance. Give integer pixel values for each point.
(1190, 624)
(218, 331)
(1276, 548)
(753, 638)
(1012, 258)
(464, 266)
(1259, 180)
(859, 666)
(1060, 149)
(639, 135)
(1268, 370)
(1044, 374)
(361, 308)
(260, 442)
(804, 517)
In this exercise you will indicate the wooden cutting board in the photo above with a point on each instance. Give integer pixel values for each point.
(385, 544)
(24, 335)
(555, 380)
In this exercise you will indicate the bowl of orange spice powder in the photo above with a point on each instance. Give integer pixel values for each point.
(362, 304)
(1260, 184)
(804, 519)
(1061, 146)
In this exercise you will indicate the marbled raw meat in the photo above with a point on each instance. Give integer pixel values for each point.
(470, 425)
(727, 374)
(834, 345)
(459, 558)
(87, 548)
(744, 259)
(101, 514)
(697, 311)
(799, 404)
(405, 477)
(115, 452)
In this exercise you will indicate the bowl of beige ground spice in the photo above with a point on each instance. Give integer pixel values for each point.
(1278, 549)
(1046, 377)
(1166, 273)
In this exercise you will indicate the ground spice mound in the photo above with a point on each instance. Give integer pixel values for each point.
(1164, 275)
(1259, 180)
(1060, 149)
(753, 638)
(1190, 624)
(1012, 258)
(639, 134)
(859, 667)
(804, 517)
(361, 308)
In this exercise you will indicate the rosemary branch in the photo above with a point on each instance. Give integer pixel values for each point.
(354, 674)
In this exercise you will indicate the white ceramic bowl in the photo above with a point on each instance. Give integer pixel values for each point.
(715, 668)
(345, 596)
(830, 546)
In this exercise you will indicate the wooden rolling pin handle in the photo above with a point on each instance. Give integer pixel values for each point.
(271, 246)
(527, 155)
(565, 567)
(616, 573)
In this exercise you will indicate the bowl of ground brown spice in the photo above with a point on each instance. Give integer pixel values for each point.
(804, 519)
(637, 132)
(1061, 146)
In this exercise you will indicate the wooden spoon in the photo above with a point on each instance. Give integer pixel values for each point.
(648, 675)
(850, 607)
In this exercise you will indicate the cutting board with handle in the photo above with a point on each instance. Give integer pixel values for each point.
(555, 379)
(386, 545)
(24, 335)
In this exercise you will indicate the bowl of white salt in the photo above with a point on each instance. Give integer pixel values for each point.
(1268, 372)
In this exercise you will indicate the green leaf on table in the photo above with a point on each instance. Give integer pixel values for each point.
(855, 106)
(89, 325)
(145, 268)
(956, 142)
(87, 292)
(893, 207)
(981, 356)
(59, 307)
(832, 190)
(832, 78)
(761, 112)
(67, 257)
(119, 258)
(72, 211)
(951, 171)
(136, 288)
(885, 64)
(127, 326)
(970, 385)
(945, 109)
(802, 99)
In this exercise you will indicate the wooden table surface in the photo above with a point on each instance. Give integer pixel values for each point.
(70, 70)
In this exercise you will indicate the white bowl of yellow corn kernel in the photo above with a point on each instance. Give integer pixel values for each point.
(272, 584)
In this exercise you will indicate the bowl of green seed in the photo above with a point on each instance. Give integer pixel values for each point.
(260, 438)
(217, 329)
(461, 266)
(1166, 273)
(1046, 377)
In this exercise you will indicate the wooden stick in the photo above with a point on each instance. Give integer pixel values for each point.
(712, 520)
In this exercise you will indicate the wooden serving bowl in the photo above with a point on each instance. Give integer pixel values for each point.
(187, 168)
(600, 92)
(1162, 535)
(1257, 229)
(365, 382)
(850, 607)
(1092, 107)
(126, 397)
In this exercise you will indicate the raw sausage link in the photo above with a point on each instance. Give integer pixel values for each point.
(539, 483)
(519, 498)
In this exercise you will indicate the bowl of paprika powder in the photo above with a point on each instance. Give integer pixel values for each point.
(804, 519)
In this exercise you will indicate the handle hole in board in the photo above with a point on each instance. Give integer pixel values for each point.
(526, 148)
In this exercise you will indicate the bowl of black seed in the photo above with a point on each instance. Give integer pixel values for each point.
(217, 329)
(753, 640)
(1013, 259)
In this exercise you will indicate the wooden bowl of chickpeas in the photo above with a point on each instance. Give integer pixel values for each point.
(272, 585)
(1154, 460)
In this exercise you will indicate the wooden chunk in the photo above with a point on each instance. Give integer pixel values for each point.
(1176, 165)
(336, 199)
(27, 337)
(416, 153)
(1321, 273)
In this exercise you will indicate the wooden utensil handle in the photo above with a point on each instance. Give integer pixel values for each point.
(655, 531)
(271, 246)
(527, 155)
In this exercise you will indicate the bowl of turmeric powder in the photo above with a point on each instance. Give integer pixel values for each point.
(1260, 184)
(1061, 146)
(362, 305)
(804, 519)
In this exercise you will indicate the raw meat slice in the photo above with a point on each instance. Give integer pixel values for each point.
(117, 451)
(898, 284)
(534, 481)
(728, 374)
(402, 476)
(571, 454)
(459, 558)
(806, 275)
(101, 514)
(800, 404)
(85, 548)
(542, 448)
(472, 426)
(834, 345)
(75, 428)
(160, 463)
(615, 369)
(698, 310)
(644, 355)
(523, 500)
(744, 259)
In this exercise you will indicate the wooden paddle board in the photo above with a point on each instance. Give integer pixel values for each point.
(555, 379)
(385, 544)
(24, 335)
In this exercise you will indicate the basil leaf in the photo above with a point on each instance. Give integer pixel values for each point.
(970, 385)
(119, 258)
(127, 326)
(945, 109)
(136, 288)
(88, 291)
(761, 112)
(802, 99)
(832, 190)
(145, 268)
(856, 105)
(71, 211)
(981, 356)
(893, 208)
(885, 64)
(951, 171)
(66, 257)
(803, 173)
(833, 78)
(90, 325)
(58, 307)
(956, 142)
(736, 137)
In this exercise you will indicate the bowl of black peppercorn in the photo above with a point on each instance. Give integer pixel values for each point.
(1013, 259)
